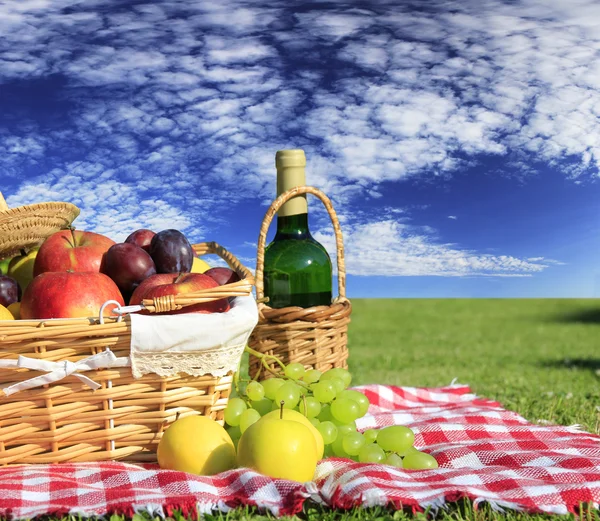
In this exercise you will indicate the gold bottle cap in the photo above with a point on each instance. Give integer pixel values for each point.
(290, 173)
(290, 158)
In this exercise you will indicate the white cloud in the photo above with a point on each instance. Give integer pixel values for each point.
(454, 218)
(391, 249)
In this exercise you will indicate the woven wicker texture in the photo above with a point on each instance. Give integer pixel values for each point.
(315, 337)
(26, 227)
(125, 418)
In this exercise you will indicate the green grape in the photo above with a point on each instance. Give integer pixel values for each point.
(328, 452)
(313, 407)
(325, 414)
(394, 460)
(408, 451)
(263, 406)
(352, 442)
(344, 410)
(312, 376)
(371, 453)
(395, 438)
(338, 385)
(338, 372)
(323, 391)
(338, 448)
(370, 435)
(337, 422)
(255, 391)
(314, 421)
(235, 434)
(271, 385)
(289, 394)
(358, 397)
(247, 418)
(329, 431)
(419, 461)
(294, 371)
(344, 428)
(235, 407)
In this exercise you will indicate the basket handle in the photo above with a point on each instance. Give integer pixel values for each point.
(262, 238)
(3, 204)
(242, 287)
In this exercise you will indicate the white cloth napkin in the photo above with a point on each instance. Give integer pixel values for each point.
(192, 343)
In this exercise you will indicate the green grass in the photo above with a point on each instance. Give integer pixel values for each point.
(540, 358)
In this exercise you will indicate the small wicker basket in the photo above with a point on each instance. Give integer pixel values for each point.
(315, 337)
(26, 227)
(125, 417)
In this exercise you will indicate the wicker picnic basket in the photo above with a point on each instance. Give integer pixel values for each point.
(315, 337)
(122, 419)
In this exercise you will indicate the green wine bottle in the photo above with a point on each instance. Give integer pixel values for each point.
(297, 269)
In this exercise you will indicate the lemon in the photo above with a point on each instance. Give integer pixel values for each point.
(198, 445)
(5, 314)
(199, 266)
(15, 309)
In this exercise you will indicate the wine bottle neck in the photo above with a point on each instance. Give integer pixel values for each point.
(292, 226)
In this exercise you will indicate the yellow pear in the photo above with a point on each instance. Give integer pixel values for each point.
(198, 445)
(20, 268)
(278, 448)
(199, 266)
(289, 414)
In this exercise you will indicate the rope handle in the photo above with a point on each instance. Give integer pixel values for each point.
(262, 237)
(242, 287)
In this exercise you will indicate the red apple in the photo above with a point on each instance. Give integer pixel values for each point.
(127, 265)
(71, 250)
(163, 284)
(141, 238)
(68, 294)
(222, 275)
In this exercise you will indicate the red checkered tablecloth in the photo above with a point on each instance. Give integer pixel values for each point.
(486, 454)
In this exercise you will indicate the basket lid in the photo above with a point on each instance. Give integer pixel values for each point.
(26, 227)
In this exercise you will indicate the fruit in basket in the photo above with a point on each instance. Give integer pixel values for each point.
(72, 250)
(4, 266)
(198, 445)
(127, 265)
(279, 448)
(9, 290)
(141, 238)
(69, 294)
(199, 265)
(20, 268)
(163, 284)
(15, 310)
(171, 252)
(222, 275)
(5, 314)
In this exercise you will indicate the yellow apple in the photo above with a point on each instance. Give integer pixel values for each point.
(20, 268)
(5, 314)
(196, 444)
(283, 449)
(199, 266)
(289, 414)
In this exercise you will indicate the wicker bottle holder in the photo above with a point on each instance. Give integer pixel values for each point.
(315, 337)
(125, 417)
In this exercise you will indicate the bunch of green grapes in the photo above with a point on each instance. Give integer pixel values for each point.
(324, 398)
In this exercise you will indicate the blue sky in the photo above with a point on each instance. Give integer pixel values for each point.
(459, 141)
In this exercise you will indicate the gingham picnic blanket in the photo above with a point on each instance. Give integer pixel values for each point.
(486, 454)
